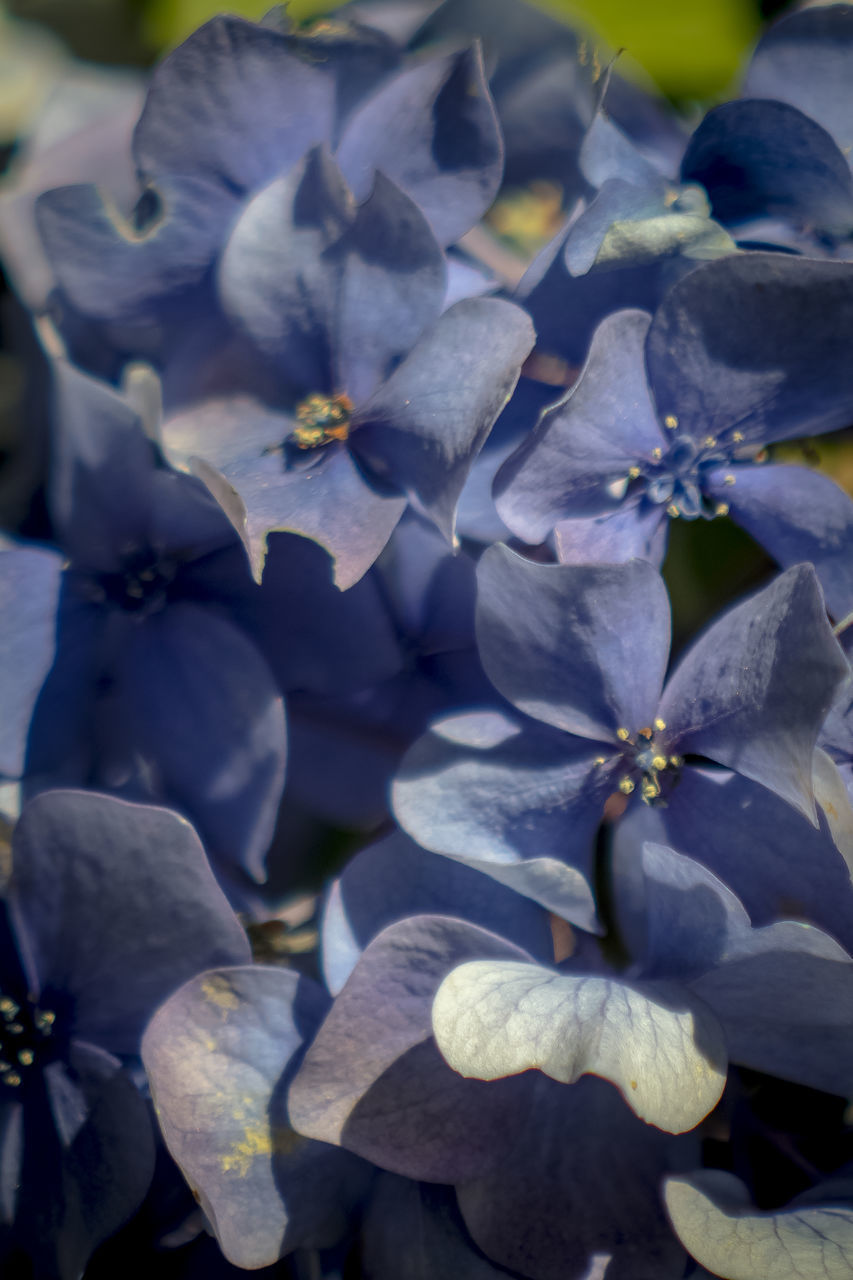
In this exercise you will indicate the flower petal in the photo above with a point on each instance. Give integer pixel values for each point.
(753, 691)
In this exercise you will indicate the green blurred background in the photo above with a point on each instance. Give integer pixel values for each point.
(692, 50)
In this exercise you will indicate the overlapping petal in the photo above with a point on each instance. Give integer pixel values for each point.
(215, 1054)
(663, 1050)
(427, 422)
(118, 906)
(581, 647)
(716, 1222)
(757, 343)
(373, 1080)
(754, 689)
(522, 805)
(434, 131)
(591, 438)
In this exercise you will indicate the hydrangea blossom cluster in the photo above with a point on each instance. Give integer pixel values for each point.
(400, 879)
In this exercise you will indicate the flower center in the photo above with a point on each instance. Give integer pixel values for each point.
(321, 419)
(675, 478)
(650, 764)
(26, 1032)
(143, 583)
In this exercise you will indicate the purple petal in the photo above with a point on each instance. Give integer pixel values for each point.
(521, 805)
(797, 515)
(105, 1170)
(29, 591)
(591, 438)
(233, 107)
(101, 471)
(394, 879)
(335, 294)
(781, 994)
(215, 1054)
(206, 714)
(805, 60)
(760, 157)
(373, 1080)
(426, 424)
(400, 1211)
(776, 862)
(759, 342)
(331, 502)
(113, 271)
(582, 647)
(634, 531)
(602, 1168)
(433, 130)
(753, 691)
(118, 905)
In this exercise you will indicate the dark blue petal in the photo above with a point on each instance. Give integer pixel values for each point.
(582, 647)
(118, 906)
(781, 994)
(757, 342)
(759, 157)
(517, 804)
(106, 1168)
(433, 130)
(215, 1054)
(426, 424)
(330, 502)
(634, 531)
(754, 689)
(205, 712)
(579, 1187)
(692, 919)
(334, 293)
(797, 515)
(112, 270)
(232, 106)
(805, 60)
(776, 862)
(29, 590)
(374, 1082)
(394, 879)
(587, 441)
(101, 472)
(401, 1211)
(315, 637)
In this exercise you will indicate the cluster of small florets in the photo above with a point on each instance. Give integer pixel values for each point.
(384, 899)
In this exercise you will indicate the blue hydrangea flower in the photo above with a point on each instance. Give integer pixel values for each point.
(155, 690)
(669, 416)
(385, 399)
(776, 163)
(111, 905)
(581, 651)
(202, 154)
